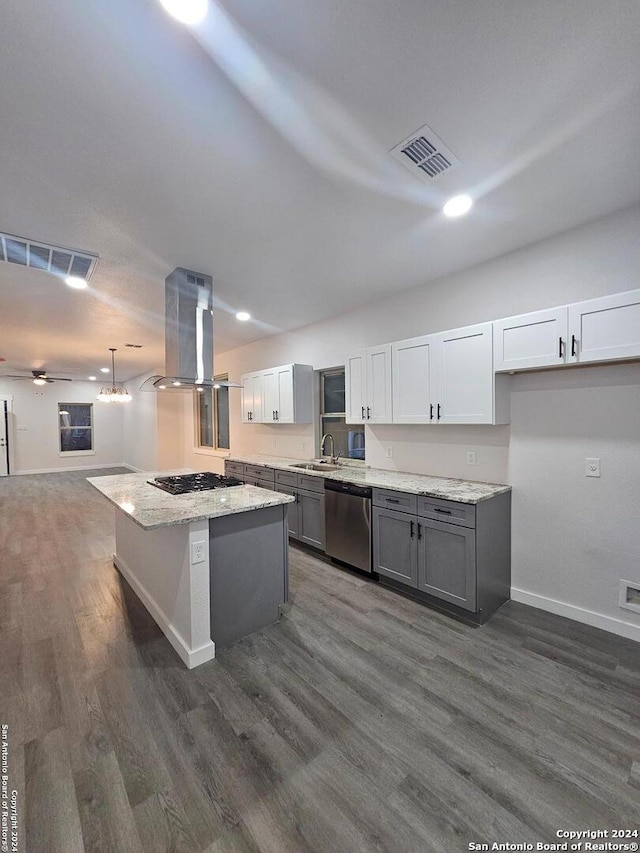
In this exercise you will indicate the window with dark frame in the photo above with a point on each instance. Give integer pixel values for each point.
(212, 413)
(348, 439)
(75, 426)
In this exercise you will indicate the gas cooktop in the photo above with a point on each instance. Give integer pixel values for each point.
(182, 484)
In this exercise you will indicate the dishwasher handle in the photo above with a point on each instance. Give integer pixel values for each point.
(347, 488)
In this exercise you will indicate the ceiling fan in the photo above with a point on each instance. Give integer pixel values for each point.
(39, 377)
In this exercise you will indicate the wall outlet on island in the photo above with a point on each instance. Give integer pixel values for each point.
(472, 458)
(198, 552)
(301, 445)
(388, 452)
(592, 467)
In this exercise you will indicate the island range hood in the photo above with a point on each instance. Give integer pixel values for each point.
(188, 307)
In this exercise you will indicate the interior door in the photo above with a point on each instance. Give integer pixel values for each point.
(4, 440)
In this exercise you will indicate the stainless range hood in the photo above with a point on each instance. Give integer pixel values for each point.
(188, 306)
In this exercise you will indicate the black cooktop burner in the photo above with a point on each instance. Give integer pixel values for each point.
(182, 484)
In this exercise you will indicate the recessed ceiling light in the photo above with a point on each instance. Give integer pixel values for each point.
(243, 316)
(176, 383)
(458, 205)
(104, 370)
(162, 387)
(187, 11)
(76, 282)
(92, 378)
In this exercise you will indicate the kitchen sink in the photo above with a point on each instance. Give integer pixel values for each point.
(316, 466)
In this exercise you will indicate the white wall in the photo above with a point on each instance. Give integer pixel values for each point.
(558, 417)
(140, 427)
(33, 430)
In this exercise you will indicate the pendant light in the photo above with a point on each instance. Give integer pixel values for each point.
(116, 393)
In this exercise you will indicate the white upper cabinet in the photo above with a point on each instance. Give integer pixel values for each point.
(368, 386)
(462, 376)
(605, 329)
(282, 395)
(411, 380)
(252, 398)
(531, 340)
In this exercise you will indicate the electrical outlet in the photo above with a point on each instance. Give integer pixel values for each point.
(389, 452)
(472, 459)
(198, 552)
(301, 445)
(592, 467)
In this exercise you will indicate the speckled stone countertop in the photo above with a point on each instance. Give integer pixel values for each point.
(463, 491)
(150, 507)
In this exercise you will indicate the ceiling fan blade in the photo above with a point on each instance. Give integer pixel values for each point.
(57, 379)
(14, 376)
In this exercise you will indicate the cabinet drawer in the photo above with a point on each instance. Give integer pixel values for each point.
(266, 484)
(400, 501)
(450, 512)
(259, 471)
(233, 468)
(311, 484)
(287, 478)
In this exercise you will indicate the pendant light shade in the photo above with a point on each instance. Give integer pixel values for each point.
(115, 393)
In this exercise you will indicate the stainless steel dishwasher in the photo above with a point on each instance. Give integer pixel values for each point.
(347, 514)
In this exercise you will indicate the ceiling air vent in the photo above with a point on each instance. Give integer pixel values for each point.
(424, 154)
(41, 256)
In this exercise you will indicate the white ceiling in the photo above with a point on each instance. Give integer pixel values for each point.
(259, 154)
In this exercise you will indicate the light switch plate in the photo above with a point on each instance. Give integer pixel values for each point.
(472, 458)
(592, 467)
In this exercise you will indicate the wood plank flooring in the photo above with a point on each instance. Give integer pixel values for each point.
(362, 722)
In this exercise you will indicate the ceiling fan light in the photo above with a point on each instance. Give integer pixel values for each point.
(39, 381)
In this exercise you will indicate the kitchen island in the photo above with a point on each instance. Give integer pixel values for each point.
(209, 566)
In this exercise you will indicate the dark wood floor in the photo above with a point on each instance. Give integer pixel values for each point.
(362, 722)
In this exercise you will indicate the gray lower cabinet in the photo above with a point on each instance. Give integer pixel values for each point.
(457, 553)
(311, 518)
(395, 546)
(292, 510)
(447, 562)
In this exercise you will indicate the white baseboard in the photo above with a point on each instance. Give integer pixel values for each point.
(132, 468)
(578, 614)
(67, 470)
(190, 657)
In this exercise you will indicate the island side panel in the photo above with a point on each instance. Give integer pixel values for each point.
(248, 578)
(157, 564)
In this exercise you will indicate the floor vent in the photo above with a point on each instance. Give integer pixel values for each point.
(41, 256)
(425, 155)
(630, 595)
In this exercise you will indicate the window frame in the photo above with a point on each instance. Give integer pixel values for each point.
(204, 449)
(332, 371)
(92, 431)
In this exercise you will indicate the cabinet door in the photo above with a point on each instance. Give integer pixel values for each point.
(447, 562)
(284, 409)
(247, 398)
(292, 510)
(378, 384)
(463, 374)
(411, 381)
(270, 396)
(605, 329)
(395, 551)
(311, 518)
(530, 340)
(256, 394)
(355, 387)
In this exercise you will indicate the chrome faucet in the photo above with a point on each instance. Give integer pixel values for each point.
(333, 457)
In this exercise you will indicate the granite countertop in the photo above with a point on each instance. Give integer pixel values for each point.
(447, 488)
(150, 507)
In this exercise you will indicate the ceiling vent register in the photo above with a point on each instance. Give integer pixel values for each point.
(41, 256)
(425, 155)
